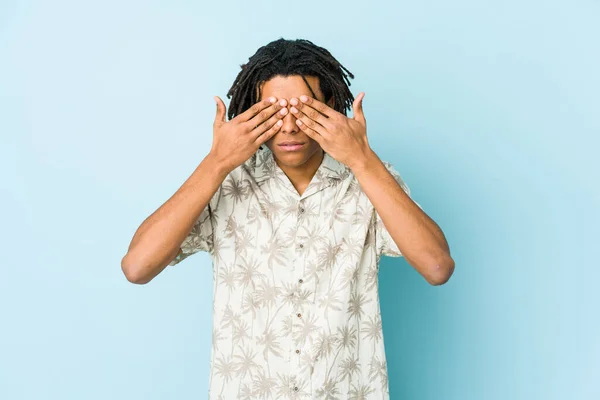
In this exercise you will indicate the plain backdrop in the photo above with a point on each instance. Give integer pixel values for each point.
(489, 110)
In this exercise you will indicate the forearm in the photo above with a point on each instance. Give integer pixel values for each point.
(156, 242)
(418, 237)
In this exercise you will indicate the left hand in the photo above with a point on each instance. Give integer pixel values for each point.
(343, 138)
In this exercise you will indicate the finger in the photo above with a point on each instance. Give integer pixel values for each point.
(319, 106)
(311, 133)
(357, 108)
(268, 124)
(257, 108)
(221, 110)
(267, 113)
(309, 122)
(269, 133)
(310, 112)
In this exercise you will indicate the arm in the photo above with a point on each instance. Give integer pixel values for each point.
(156, 242)
(158, 239)
(417, 236)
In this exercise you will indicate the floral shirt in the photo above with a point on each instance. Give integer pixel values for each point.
(295, 298)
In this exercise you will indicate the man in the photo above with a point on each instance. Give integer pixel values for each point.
(295, 210)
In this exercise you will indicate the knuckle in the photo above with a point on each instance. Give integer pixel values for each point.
(255, 108)
(264, 114)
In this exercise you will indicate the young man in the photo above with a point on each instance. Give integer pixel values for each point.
(296, 210)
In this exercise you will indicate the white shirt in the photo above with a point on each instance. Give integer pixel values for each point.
(295, 298)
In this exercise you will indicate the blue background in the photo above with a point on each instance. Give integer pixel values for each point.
(489, 110)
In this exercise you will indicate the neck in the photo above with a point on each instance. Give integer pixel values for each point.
(300, 176)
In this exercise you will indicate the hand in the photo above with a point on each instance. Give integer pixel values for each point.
(235, 141)
(345, 139)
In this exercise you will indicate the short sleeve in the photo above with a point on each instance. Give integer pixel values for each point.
(385, 245)
(200, 237)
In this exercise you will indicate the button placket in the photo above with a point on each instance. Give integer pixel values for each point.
(298, 259)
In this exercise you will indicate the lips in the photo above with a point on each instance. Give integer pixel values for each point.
(290, 143)
(291, 146)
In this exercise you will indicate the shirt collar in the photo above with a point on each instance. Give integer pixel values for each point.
(264, 166)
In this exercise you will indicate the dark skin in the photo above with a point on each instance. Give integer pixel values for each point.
(320, 128)
(418, 237)
(300, 166)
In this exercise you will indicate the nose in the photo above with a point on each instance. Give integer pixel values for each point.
(289, 123)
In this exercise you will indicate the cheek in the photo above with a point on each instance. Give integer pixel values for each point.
(269, 143)
(313, 144)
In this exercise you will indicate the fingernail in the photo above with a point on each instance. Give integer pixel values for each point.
(283, 103)
(294, 110)
(283, 111)
(272, 99)
(299, 122)
(303, 98)
(294, 102)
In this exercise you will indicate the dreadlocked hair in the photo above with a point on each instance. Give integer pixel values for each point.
(291, 57)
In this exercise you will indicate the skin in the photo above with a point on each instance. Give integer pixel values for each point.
(418, 237)
(288, 112)
(299, 166)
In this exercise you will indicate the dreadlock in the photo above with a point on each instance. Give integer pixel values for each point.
(291, 57)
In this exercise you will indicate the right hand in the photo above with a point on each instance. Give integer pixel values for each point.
(235, 141)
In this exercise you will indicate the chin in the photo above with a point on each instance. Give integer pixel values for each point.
(292, 159)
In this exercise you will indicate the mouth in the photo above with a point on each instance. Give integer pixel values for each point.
(291, 146)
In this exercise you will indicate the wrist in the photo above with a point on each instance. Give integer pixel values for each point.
(217, 164)
(364, 162)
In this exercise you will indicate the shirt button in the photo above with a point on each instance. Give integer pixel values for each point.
(295, 388)
(301, 245)
(301, 210)
(297, 351)
(299, 315)
(300, 281)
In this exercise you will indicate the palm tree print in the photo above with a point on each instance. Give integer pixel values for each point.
(295, 301)
(329, 390)
(356, 304)
(248, 272)
(264, 385)
(328, 254)
(361, 392)
(245, 363)
(268, 340)
(274, 252)
(378, 369)
(348, 368)
(235, 190)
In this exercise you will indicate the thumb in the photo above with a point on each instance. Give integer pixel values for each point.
(221, 111)
(357, 108)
